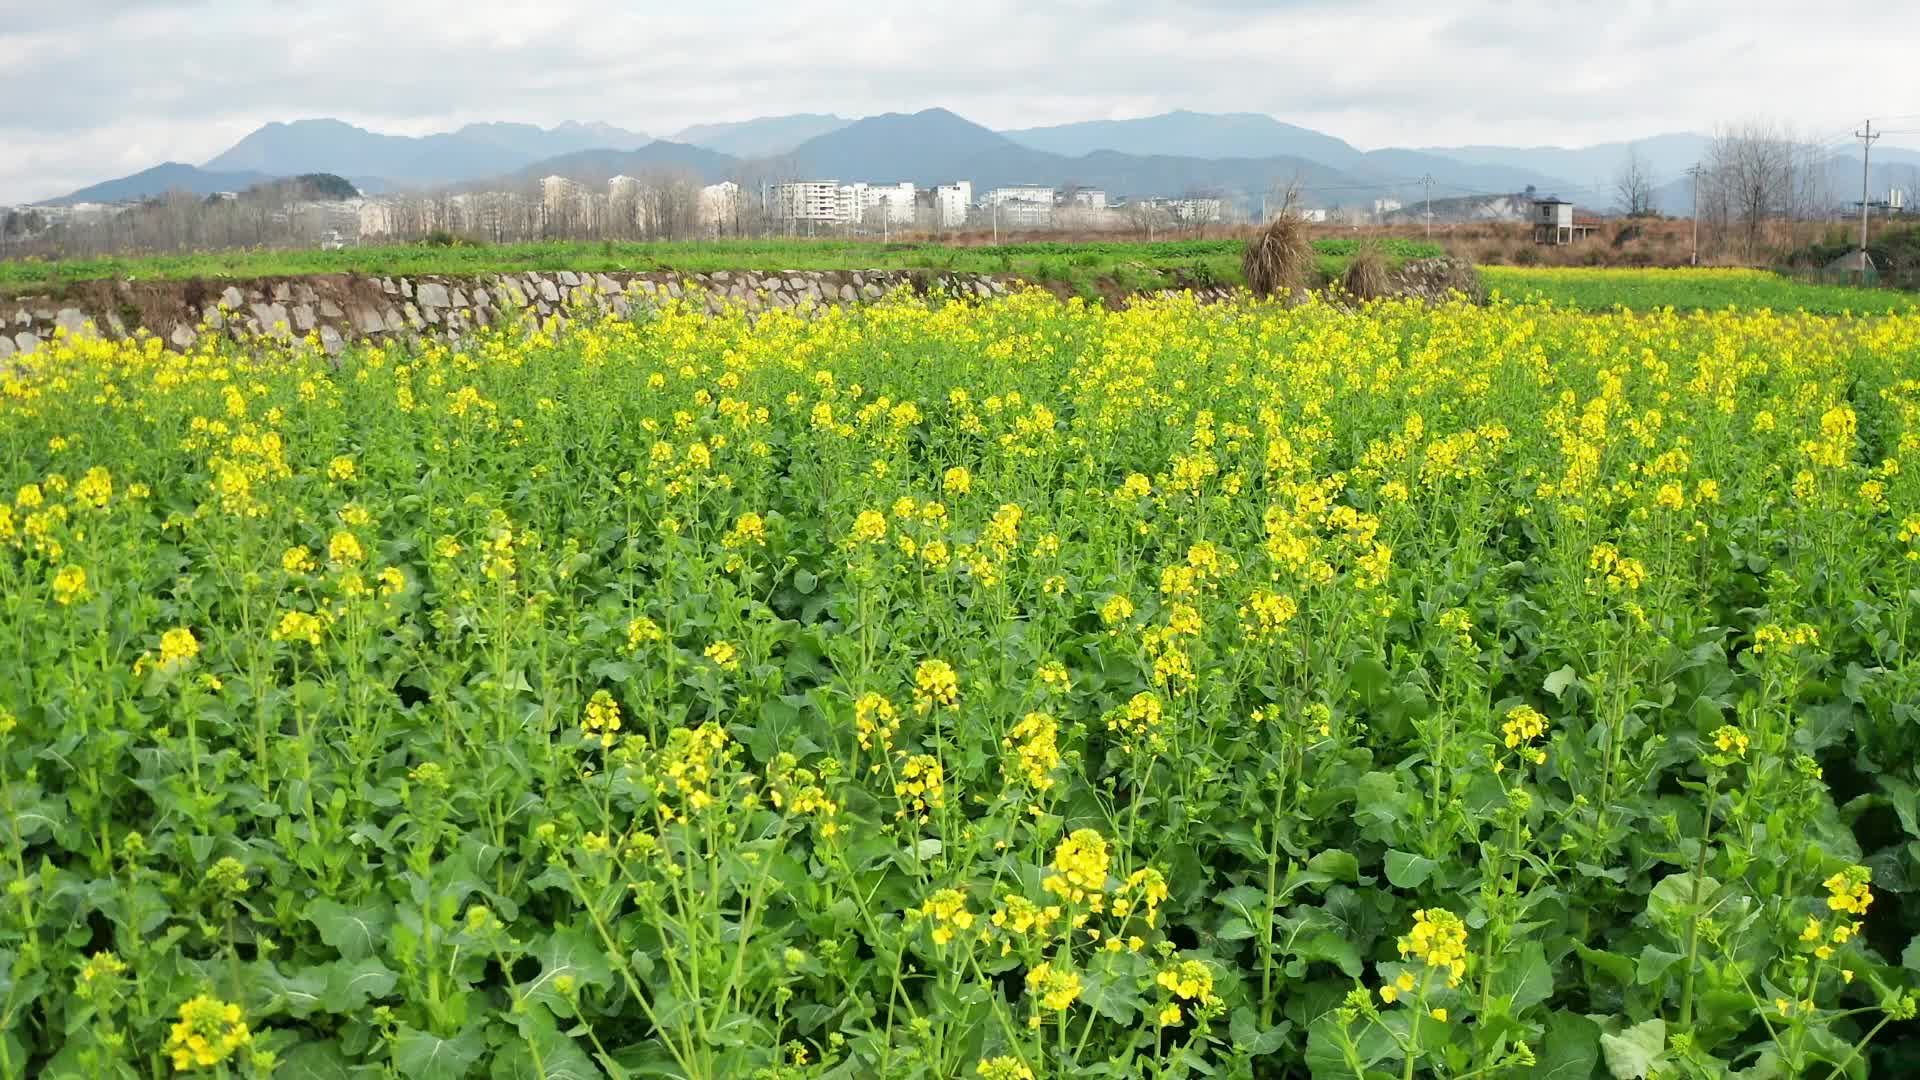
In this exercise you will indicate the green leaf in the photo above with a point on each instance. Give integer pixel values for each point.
(355, 931)
(1110, 986)
(1245, 901)
(1633, 1053)
(1616, 967)
(1910, 957)
(1244, 1029)
(1673, 899)
(1379, 804)
(543, 1052)
(1526, 979)
(420, 1056)
(351, 985)
(1557, 683)
(305, 990)
(567, 954)
(1370, 677)
(1337, 864)
(804, 581)
(1336, 948)
(1569, 1050)
(1409, 871)
(1654, 964)
(1329, 1042)
(320, 1060)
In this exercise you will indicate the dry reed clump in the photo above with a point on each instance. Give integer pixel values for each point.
(1366, 276)
(1279, 257)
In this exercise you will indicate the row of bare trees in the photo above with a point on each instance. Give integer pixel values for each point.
(1757, 184)
(664, 204)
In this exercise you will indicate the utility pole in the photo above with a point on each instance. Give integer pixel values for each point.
(1694, 258)
(1428, 181)
(996, 223)
(1866, 150)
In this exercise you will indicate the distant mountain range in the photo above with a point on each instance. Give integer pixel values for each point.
(767, 136)
(1190, 134)
(477, 150)
(163, 178)
(1245, 155)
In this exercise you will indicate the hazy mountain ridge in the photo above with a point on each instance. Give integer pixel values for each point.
(162, 178)
(764, 136)
(335, 146)
(1183, 133)
(598, 166)
(1175, 153)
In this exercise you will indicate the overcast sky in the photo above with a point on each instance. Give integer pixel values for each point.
(93, 89)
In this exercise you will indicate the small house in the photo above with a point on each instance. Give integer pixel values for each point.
(1555, 224)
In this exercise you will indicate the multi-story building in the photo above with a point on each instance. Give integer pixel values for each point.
(559, 194)
(1195, 211)
(951, 202)
(850, 203)
(894, 201)
(376, 218)
(1023, 214)
(719, 210)
(1026, 193)
(804, 200)
(1089, 198)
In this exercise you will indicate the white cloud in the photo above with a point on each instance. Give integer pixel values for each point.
(99, 88)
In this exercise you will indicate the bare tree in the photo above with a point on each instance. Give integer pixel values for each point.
(1149, 217)
(1752, 167)
(1282, 196)
(1633, 184)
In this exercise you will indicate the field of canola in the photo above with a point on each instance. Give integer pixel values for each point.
(1013, 691)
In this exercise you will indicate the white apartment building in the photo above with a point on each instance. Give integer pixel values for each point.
(1195, 211)
(951, 202)
(1385, 206)
(1090, 198)
(895, 201)
(805, 200)
(623, 187)
(720, 206)
(850, 204)
(376, 218)
(559, 194)
(1023, 214)
(1025, 193)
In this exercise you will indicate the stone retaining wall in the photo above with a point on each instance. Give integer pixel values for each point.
(338, 308)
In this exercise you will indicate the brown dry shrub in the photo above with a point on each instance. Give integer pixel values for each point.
(1279, 257)
(1366, 276)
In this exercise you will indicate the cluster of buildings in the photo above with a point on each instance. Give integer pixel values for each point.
(631, 206)
(812, 204)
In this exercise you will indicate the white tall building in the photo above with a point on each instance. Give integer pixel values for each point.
(850, 206)
(1026, 193)
(376, 218)
(893, 200)
(1023, 214)
(951, 202)
(720, 206)
(1090, 198)
(559, 194)
(623, 187)
(805, 200)
(1195, 211)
